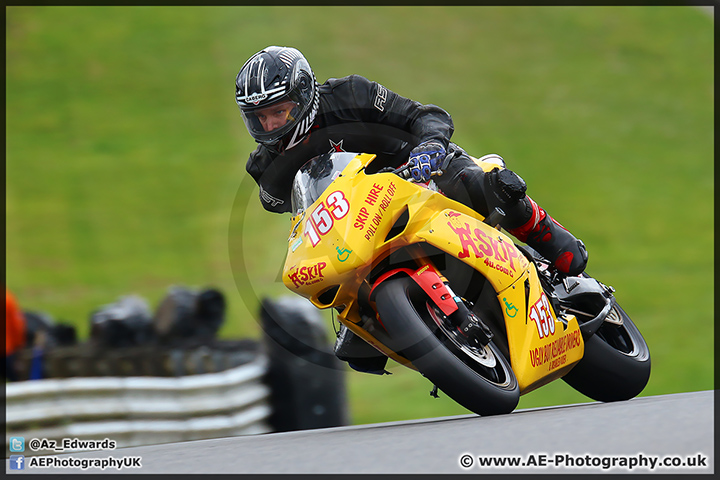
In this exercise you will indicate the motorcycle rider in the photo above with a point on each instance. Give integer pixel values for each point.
(293, 118)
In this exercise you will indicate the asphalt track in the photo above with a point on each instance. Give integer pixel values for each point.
(590, 435)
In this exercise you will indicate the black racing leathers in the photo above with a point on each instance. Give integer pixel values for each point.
(358, 115)
(355, 115)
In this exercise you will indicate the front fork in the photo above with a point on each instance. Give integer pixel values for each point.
(467, 323)
(456, 309)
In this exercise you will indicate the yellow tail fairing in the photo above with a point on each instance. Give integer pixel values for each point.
(542, 347)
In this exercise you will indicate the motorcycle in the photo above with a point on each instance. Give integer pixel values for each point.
(435, 286)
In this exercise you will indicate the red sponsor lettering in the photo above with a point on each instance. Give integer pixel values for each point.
(498, 256)
(466, 241)
(382, 207)
(307, 275)
(361, 218)
(483, 245)
(373, 194)
(555, 353)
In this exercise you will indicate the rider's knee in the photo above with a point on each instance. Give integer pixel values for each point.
(504, 187)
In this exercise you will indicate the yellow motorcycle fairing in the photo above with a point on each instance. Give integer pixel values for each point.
(335, 243)
(539, 353)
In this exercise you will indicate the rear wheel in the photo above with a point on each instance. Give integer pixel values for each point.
(616, 363)
(478, 378)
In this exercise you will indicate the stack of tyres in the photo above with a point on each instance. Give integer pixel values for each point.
(306, 379)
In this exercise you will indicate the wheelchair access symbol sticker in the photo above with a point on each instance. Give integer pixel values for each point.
(343, 254)
(510, 309)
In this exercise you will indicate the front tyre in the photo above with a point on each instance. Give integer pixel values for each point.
(479, 379)
(616, 363)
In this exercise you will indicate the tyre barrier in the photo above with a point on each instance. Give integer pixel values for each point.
(153, 394)
(306, 378)
(174, 360)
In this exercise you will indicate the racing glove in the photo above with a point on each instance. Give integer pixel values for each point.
(426, 159)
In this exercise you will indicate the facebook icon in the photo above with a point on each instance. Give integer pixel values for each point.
(17, 462)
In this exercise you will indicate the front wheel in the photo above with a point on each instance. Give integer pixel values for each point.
(616, 363)
(479, 379)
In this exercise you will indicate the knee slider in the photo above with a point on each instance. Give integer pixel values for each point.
(507, 186)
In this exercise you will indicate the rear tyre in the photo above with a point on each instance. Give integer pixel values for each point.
(479, 379)
(616, 363)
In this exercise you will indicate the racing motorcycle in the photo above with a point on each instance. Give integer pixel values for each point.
(437, 287)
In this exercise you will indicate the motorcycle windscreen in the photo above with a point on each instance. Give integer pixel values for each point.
(315, 176)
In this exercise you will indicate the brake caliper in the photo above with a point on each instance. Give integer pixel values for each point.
(461, 317)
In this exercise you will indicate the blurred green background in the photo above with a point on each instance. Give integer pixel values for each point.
(126, 154)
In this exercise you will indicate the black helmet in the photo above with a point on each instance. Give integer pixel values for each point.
(274, 77)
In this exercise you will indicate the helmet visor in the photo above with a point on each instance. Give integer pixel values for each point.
(269, 123)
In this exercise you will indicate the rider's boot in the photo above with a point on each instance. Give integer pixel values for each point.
(551, 240)
(529, 223)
